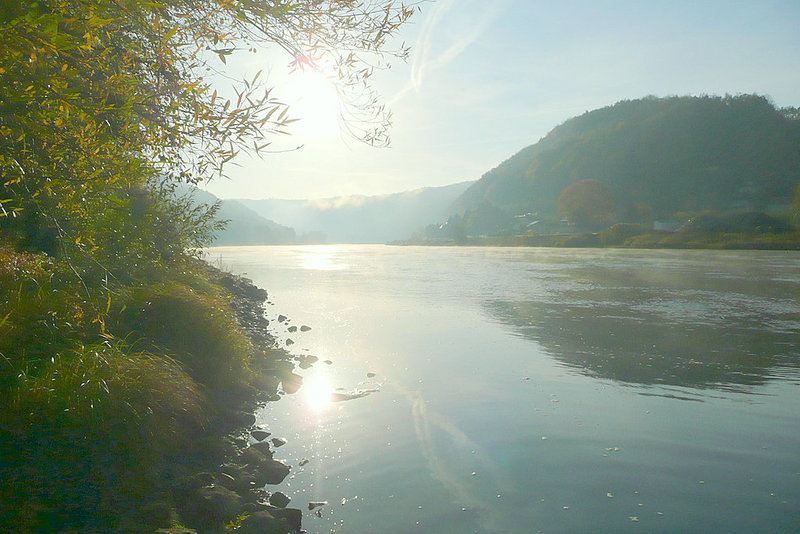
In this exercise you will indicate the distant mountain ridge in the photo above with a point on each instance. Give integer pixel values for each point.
(656, 156)
(362, 219)
(244, 226)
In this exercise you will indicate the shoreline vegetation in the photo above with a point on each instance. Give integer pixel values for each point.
(147, 432)
(703, 232)
(130, 370)
(650, 240)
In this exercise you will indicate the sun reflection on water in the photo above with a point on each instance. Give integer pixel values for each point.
(317, 392)
(322, 258)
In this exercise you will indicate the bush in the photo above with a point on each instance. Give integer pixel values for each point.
(83, 443)
(619, 233)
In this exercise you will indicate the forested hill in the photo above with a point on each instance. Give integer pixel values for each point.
(655, 156)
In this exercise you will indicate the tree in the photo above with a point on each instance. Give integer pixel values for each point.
(106, 104)
(587, 203)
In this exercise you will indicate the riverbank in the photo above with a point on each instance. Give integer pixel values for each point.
(649, 240)
(140, 418)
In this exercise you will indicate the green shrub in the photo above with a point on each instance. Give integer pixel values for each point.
(83, 442)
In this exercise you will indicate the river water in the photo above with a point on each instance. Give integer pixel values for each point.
(537, 390)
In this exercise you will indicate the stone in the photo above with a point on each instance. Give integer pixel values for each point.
(242, 419)
(305, 328)
(292, 329)
(279, 442)
(210, 507)
(292, 516)
(292, 383)
(263, 523)
(263, 447)
(269, 472)
(281, 318)
(279, 499)
(260, 435)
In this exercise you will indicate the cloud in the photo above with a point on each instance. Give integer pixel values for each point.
(449, 29)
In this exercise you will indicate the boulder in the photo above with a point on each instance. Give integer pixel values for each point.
(270, 472)
(264, 523)
(292, 516)
(210, 507)
(260, 435)
(279, 499)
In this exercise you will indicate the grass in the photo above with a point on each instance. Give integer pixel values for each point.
(84, 442)
(110, 393)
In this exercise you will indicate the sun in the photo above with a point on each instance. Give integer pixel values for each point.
(312, 99)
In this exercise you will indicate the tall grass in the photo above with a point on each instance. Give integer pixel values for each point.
(197, 328)
(83, 443)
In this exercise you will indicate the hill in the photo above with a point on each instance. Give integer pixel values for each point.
(652, 157)
(244, 226)
(362, 219)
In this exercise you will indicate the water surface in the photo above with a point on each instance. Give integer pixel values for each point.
(538, 390)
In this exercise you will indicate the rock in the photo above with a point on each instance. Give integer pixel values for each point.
(281, 318)
(292, 516)
(292, 329)
(289, 341)
(242, 480)
(263, 447)
(292, 383)
(303, 462)
(263, 523)
(316, 504)
(279, 499)
(305, 328)
(370, 375)
(253, 456)
(279, 442)
(270, 472)
(210, 507)
(260, 435)
(227, 481)
(242, 419)
(327, 362)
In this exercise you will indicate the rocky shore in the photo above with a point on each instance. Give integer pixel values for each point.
(222, 485)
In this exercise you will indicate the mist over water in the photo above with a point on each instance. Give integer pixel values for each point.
(538, 390)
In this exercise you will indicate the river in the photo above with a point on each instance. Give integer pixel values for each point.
(537, 390)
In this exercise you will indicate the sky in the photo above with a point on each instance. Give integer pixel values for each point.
(488, 78)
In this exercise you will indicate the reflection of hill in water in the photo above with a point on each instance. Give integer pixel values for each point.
(648, 335)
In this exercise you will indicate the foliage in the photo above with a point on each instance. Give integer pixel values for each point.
(657, 156)
(112, 337)
(104, 420)
(619, 233)
(587, 203)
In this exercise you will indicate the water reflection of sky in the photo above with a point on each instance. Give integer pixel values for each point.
(556, 377)
(729, 323)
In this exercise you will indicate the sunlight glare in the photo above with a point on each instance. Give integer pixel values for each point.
(317, 392)
(313, 100)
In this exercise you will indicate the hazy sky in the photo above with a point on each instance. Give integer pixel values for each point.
(487, 78)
